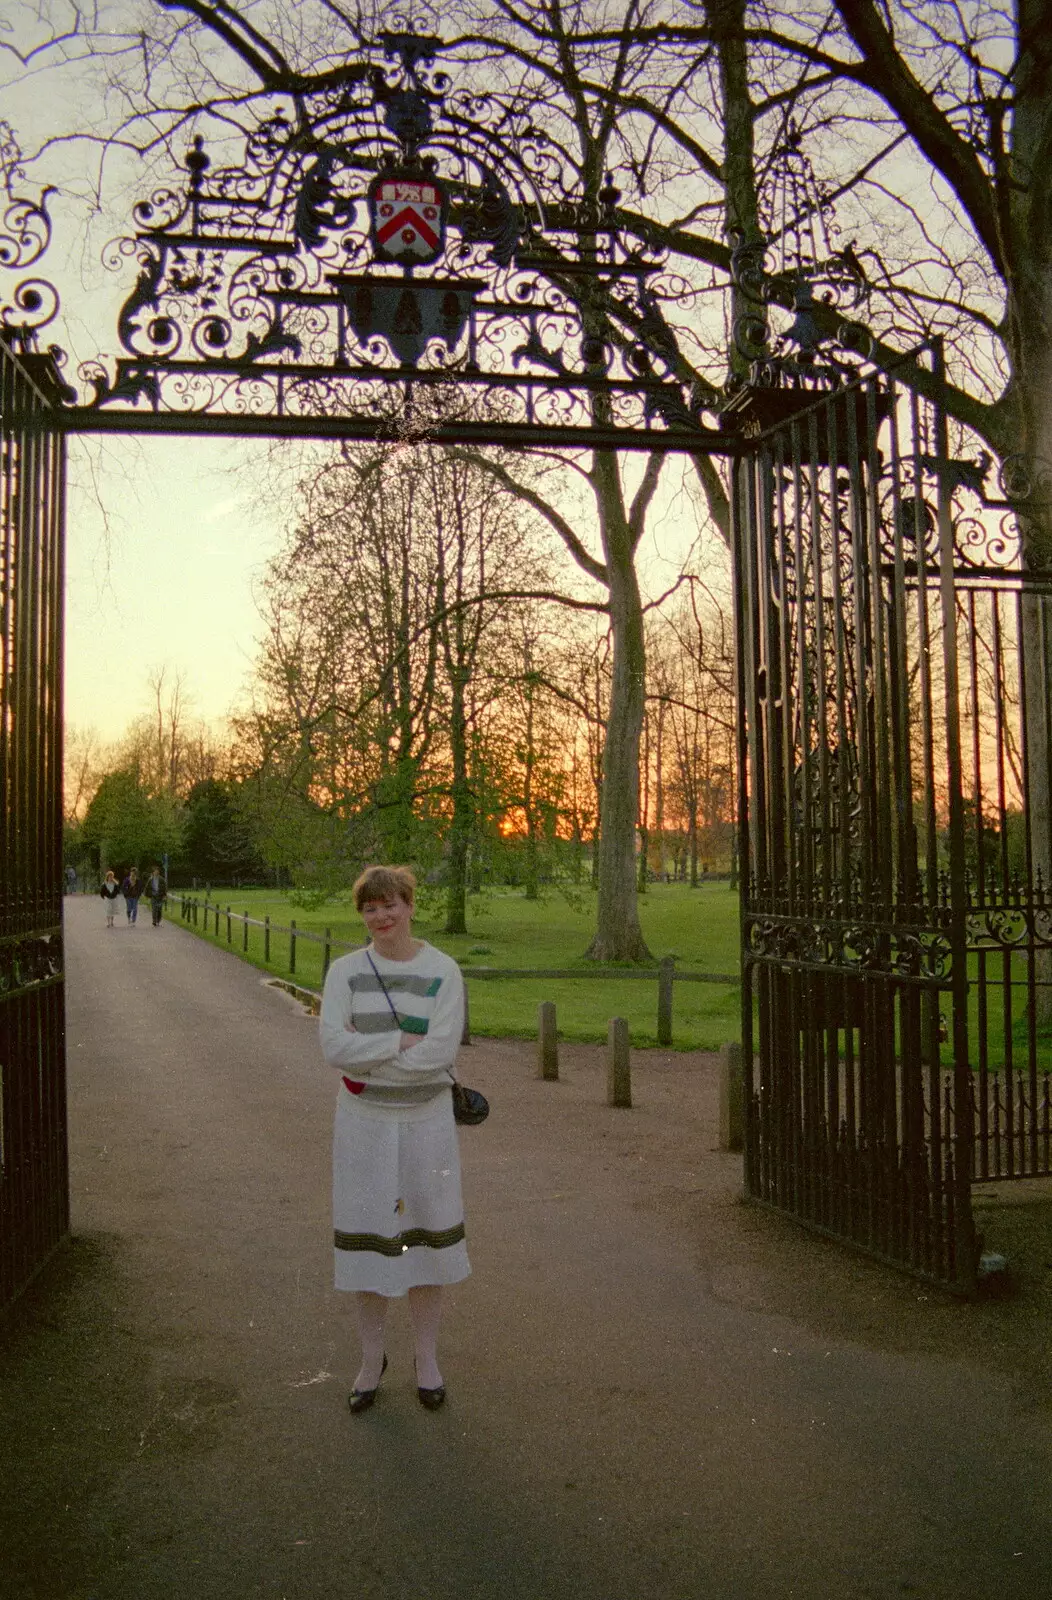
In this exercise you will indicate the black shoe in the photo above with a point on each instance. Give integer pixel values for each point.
(360, 1400)
(431, 1399)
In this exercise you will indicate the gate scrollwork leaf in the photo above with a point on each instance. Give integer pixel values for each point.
(25, 233)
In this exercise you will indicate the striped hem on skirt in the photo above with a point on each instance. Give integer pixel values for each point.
(398, 1213)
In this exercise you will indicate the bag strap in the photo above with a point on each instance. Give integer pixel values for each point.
(383, 986)
(394, 1013)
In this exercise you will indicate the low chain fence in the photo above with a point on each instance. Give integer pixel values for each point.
(304, 955)
(1012, 1107)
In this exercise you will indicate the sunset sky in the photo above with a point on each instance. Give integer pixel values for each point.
(162, 553)
(165, 537)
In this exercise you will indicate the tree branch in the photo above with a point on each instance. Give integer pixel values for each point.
(595, 569)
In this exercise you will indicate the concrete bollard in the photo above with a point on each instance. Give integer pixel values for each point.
(547, 1043)
(731, 1098)
(618, 1066)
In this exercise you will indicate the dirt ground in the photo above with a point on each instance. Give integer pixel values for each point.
(840, 1294)
(655, 1390)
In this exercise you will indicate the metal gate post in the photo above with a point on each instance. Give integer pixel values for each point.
(966, 1256)
(34, 1166)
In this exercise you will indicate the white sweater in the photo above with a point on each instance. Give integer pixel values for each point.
(428, 995)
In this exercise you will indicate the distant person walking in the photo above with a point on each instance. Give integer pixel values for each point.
(392, 1016)
(111, 893)
(71, 880)
(157, 889)
(131, 889)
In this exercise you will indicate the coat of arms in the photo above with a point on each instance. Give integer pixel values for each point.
(408, 218)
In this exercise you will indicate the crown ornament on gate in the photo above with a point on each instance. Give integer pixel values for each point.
(794, 266)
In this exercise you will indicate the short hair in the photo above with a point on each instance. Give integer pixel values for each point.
(384, 883)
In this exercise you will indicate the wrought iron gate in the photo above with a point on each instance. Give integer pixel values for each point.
(1004, 627)
(893, 650)
(894, 760)
(34, 1191)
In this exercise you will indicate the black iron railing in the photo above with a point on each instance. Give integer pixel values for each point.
(34, 1188)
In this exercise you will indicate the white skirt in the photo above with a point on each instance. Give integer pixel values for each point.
(398, 1214)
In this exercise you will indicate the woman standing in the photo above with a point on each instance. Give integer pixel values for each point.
(111, 893)
(392, 1016)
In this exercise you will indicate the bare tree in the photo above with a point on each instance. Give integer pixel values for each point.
(387, 613)
(82, 770)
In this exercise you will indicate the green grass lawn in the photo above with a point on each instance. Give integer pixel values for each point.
(698, 926)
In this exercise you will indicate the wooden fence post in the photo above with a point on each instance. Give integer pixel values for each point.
(244, 942)
(465, 1032)
(731, 1097)
(292, 944)
(229, 927)
(266, 938)
(618, 1066)
(666, 977)
(326, 954)
(547, 1042)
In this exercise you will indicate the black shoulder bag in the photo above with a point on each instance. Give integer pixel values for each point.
(470, 1106)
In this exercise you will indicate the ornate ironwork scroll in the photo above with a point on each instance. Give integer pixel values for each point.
(394, 256)
(855, 938)
(794, 267)
(32, 302)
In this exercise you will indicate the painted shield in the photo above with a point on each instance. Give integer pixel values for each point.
(408, 217)
(408, 315)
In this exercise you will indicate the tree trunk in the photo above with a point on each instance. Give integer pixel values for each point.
(644, 813)
(393, 798)
(463, 812)
(618, 935)
(1029, 339)
(531, 871)
(597, 839)
(659, 779)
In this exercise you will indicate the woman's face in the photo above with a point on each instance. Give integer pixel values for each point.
(387, 921)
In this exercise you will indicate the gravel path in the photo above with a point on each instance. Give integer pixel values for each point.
(654, 1391)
